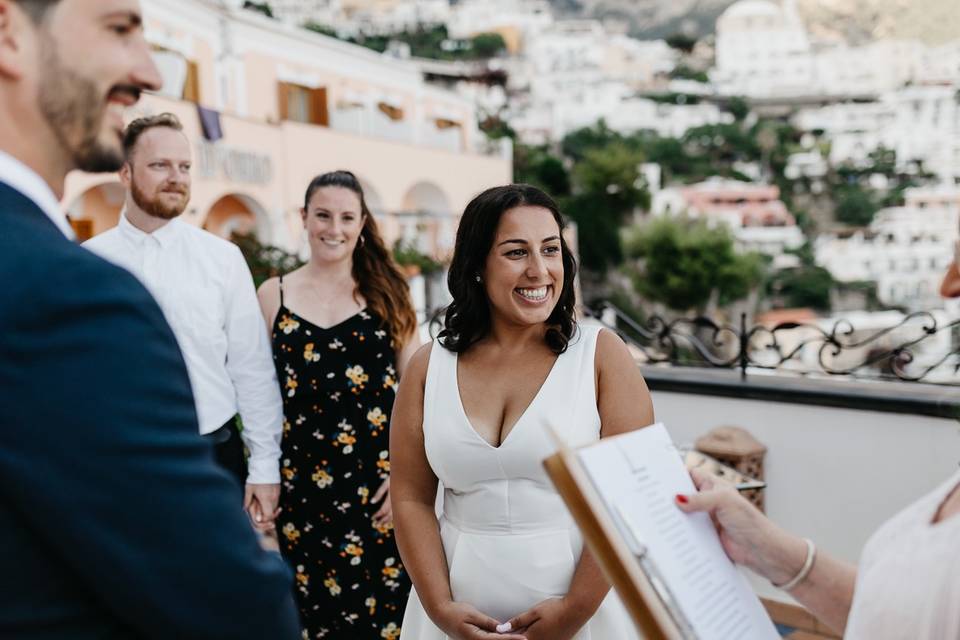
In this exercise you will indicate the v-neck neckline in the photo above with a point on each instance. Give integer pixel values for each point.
(516, 425)
(319, 326)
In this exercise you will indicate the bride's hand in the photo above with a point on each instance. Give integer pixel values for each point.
(461, 621)
(551, 619)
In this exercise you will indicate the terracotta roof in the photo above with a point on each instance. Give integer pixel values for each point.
(778, 316)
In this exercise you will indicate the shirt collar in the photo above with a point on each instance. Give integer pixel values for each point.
(19, 176)
(164, 236)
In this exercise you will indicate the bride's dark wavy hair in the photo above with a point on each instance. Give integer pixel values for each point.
(467, 319)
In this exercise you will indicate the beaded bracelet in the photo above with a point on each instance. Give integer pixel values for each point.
(804, 570)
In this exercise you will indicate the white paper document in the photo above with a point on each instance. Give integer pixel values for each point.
(638, 476)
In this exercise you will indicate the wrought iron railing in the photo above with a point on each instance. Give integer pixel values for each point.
(919, 347)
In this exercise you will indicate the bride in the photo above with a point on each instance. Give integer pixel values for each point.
(505, 559)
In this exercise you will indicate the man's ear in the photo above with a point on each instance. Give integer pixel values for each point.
(16, 32)
(124, 173)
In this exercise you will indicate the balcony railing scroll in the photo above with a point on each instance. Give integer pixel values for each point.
(919, 347)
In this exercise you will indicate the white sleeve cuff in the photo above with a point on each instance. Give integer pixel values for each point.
(263, 471)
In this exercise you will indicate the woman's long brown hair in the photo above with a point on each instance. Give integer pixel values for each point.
(377, 276)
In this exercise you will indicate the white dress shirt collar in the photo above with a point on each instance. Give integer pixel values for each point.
(164, 236)
(19, 176)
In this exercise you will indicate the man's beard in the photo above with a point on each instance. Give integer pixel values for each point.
(75, 108)
(155, 207)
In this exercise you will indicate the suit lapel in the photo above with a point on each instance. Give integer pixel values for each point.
(14, 203)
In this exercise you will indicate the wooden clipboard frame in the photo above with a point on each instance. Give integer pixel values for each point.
(619, 565)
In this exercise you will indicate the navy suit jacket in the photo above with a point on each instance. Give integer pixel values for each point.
(114, 520)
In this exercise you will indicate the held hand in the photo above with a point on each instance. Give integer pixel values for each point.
(268, 539)
(260, 501)
(551, 619)
(748, 537)
(384, 516)
(462, 621)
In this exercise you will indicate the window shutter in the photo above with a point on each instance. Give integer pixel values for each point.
(191, 86)
(319, 113)
(283, 100)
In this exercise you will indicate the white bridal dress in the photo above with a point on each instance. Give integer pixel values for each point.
(508, 538)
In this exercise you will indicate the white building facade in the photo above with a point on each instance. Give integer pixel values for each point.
(764, 52)
(290, 104)
(757, 218)
(575, 73)
(920, 123)
(906, 251)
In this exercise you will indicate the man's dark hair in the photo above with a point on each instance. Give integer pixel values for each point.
(37, 9)
(139, 126)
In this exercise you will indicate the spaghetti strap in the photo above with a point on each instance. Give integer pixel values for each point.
(281, 289)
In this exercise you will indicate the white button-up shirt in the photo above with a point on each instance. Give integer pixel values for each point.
(204, 287)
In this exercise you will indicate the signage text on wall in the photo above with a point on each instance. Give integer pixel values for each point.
(236, 165)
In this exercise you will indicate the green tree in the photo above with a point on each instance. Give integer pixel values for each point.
(738, 107)
(487, 45)
(265, 261)
(260, 7)
(322, 29)
(855, 206)
(576, 144)
(552, 175)
(608, 188)
(598, 232)
(672, 157)
(682, 42)
(407, 255)
(804, 286)
(495, 126)
(722, 144)
(612, 174)
(681, 261)
(539, 167)
(683, 72)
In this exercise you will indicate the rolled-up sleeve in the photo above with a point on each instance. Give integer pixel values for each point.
(250, 367)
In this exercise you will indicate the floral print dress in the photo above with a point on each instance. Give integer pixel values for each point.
(338, 386)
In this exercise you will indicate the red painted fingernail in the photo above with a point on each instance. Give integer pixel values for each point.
(682, 499)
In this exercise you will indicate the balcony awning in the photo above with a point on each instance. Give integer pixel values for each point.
(444, 112)
(350, 98)
(392, 100)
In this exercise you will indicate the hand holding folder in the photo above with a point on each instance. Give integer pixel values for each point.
(668, 567)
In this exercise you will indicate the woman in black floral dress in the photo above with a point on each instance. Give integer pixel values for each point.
(343, 326)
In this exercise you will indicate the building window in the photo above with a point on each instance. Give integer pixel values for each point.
(303, 104)
(181, 76)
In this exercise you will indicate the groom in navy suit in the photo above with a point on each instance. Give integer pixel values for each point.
(114, 520)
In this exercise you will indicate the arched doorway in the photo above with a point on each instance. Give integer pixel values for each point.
(425, 220)
(97, 209)
(427, 223)
(238, 214)
(387, 223)
(426, 197)
(372, 196)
